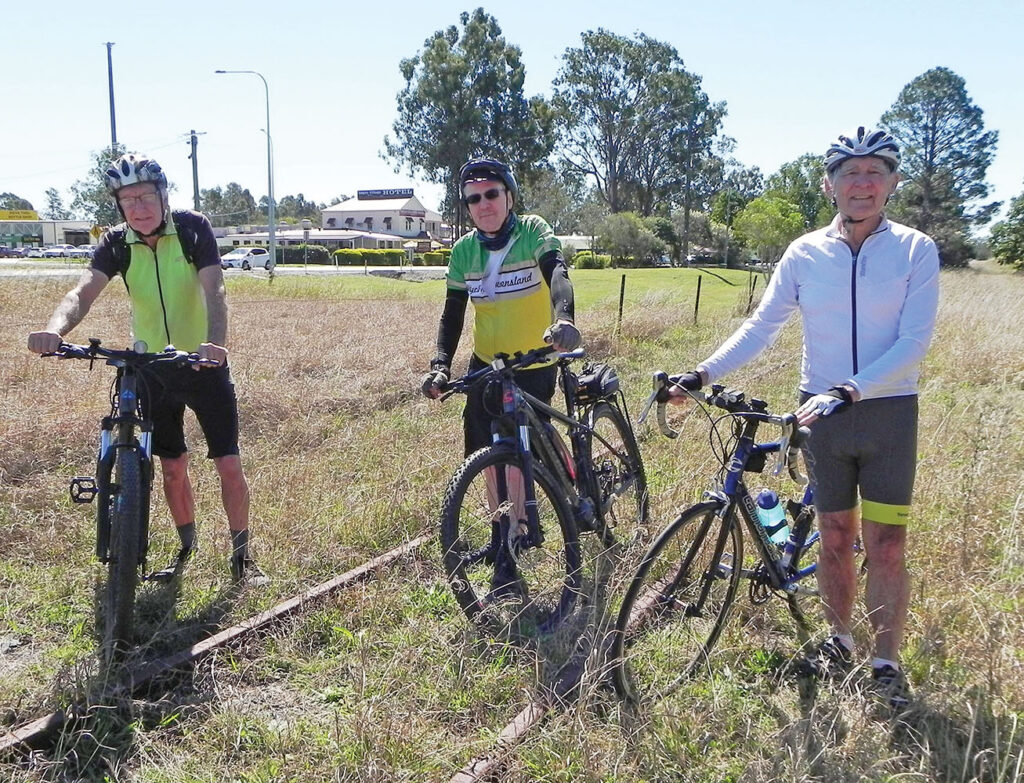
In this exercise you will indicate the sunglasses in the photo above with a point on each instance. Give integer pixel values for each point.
(490, 195)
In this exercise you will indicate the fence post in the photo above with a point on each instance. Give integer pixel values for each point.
(622, 297)
(696, 305)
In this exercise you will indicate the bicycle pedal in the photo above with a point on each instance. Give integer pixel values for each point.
(83, 489)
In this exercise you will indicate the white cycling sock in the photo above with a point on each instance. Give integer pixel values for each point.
(881, 663)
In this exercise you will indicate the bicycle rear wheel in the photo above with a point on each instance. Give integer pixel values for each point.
(621, 491)
(542, 582)
(677, 604)
(123, 566)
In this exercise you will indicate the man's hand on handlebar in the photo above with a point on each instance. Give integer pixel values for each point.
(210, 355)
(44, 342)
(563, 336)
(435, 381)
(679, 385)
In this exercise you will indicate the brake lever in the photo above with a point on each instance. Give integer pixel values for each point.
(659, 395)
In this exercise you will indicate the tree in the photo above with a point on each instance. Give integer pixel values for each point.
(463, 96)
(55, 209)
(946, 153)
(769, 223)
(799, 182)
(228, 206)
(555, 196)
(11, 201)
(664, 230)
(632, 118)
(1007, 242)
(294, 208)
(624, 235)
(90, 199)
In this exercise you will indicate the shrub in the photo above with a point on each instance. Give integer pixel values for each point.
(296, 254)
(349, 257)
(417, 260)
(435, 259)
(584, 259)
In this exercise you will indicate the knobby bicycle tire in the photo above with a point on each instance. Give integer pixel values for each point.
(677, 604)
(123, 566)
(621, 483)
(548, 577)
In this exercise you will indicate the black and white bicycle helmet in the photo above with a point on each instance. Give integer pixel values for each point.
(131, 169)
(867, 142)
(488, 168)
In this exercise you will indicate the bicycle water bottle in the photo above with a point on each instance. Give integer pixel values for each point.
(772, 516)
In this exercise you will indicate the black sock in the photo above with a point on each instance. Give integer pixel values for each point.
(187, 534)
(240, 544)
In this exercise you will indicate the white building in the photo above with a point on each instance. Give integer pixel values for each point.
(396, 211)
(23, 228)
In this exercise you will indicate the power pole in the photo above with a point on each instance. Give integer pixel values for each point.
(195, 170)
(110, 83)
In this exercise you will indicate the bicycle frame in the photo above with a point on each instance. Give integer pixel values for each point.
(118, 431)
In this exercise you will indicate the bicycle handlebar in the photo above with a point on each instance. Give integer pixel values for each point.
(503, 363)
(733, 402)
(94, 351)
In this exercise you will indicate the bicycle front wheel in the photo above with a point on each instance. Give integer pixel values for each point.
(499, 577)
(677, 604)
(621, 484)
(123, 566)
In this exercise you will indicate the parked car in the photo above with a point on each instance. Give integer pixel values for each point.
(11, 252)
(246, 258)
(34, 252)
(83, 251)
(59, 251)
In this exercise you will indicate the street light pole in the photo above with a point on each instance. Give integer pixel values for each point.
(271, 211)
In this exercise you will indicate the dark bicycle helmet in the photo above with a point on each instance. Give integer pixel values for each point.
(132, 169)
(866, 143)
(478, 169)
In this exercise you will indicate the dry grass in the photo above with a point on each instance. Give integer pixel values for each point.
(387, 682)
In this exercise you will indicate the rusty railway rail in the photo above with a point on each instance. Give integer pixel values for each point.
(35, 733)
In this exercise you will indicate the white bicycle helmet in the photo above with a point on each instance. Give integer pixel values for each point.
(132, 169)
(867, 142)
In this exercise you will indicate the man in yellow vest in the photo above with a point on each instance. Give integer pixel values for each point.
(171, 268)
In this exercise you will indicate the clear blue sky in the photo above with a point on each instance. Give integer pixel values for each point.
(793, 74)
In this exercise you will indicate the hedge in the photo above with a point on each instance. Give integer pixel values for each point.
(370, 257)
(585, 259)
(296, 254)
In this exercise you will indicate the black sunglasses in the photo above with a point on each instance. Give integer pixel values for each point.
(490, 195)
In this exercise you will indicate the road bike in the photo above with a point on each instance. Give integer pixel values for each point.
(681, 595)
(122, 483)
(513, 512)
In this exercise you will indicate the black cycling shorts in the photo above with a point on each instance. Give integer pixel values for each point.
(867, 449)
(483, 402)
(210, 394)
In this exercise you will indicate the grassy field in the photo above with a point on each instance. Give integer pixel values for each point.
(388, 681)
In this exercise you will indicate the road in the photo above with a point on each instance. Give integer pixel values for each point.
(16, 267)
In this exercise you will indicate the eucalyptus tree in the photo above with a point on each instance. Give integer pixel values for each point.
(799, 181)
(634, 119)
(464, 96)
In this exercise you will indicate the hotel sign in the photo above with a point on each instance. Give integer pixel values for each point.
(370, 195)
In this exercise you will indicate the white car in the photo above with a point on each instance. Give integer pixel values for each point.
(59, 251)
(34, 252)
(82, 251)
(246, 258)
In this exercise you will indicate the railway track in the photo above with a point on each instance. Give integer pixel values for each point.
(36, 733)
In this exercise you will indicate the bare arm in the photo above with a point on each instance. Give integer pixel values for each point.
(212, 280)
(70, 312)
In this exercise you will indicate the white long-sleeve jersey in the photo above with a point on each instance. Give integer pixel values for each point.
(867, 319)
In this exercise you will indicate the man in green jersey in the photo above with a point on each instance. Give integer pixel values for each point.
(511, 268)
(171, 268)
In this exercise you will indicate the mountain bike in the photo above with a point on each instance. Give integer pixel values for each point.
(122, 483)
(681, 595)
(513, 512)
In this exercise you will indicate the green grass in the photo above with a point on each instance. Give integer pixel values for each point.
(387, 681)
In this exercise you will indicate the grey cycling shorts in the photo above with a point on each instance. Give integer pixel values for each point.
(870, 449)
